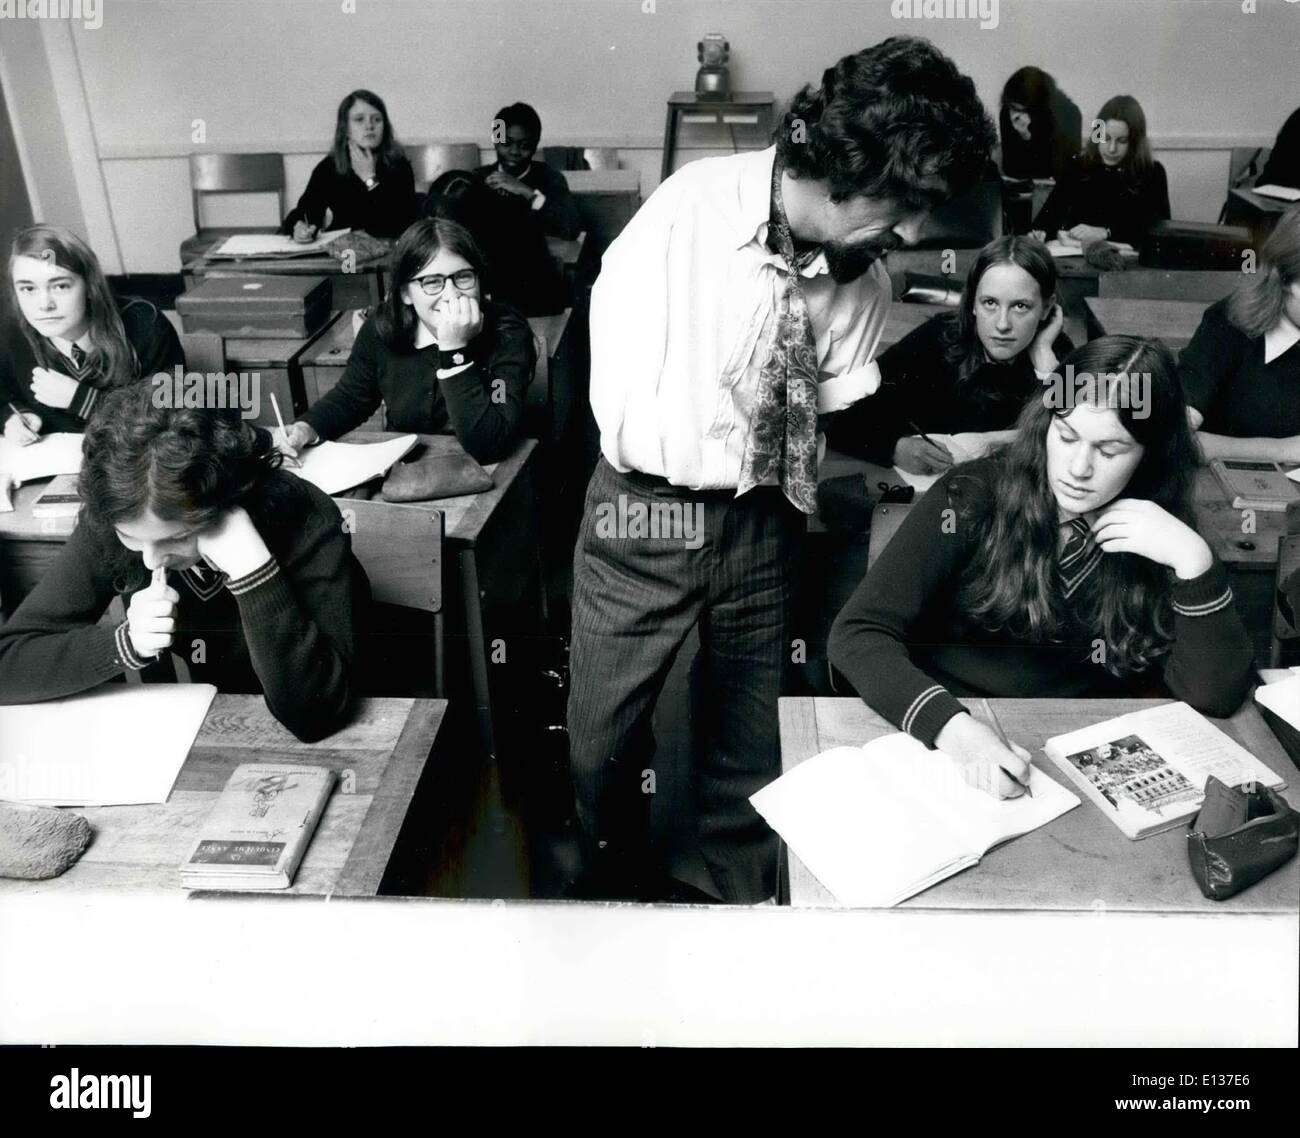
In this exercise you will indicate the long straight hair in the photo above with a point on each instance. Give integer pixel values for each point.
(395, 320)
(962, 347)
(1137, 163)
(388, 154)
(1256, 305)
(111, 352)
(1013, 580)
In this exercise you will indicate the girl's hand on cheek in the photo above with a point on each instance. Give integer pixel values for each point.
(1136, 525)
(456, 321)
(233, 544)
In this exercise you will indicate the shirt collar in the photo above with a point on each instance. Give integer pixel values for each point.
(423, 337)
(65, 346)
(1279, 338)
(754, 194)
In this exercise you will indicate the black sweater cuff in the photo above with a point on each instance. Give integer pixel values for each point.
(1202, 595)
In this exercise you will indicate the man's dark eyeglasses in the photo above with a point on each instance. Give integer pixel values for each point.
(434, 283)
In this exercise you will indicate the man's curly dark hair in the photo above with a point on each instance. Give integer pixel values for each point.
(895, 121)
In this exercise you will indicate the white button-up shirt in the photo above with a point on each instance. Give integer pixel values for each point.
(682, 318)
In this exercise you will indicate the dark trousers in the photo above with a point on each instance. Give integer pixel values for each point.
(635, 599)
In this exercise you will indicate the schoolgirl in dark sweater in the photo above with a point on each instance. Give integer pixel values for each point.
(966, 371)
(1115, 190)
(441, 357)
(78, 340)
(242, 570)
(1241, 371)
(364, 182)
(1066, 565)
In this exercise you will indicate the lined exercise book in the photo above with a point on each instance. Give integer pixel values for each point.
(879, 823)
(334, 467)
(273, 245)
(1146, 771)
(114, 746)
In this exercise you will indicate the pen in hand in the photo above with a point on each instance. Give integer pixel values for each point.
(290, 454)
(993, 722)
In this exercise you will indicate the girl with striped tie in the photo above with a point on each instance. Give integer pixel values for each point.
(78, 341)
(1066, 565)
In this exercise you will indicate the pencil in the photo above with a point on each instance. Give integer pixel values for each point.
(22, 417)
(275, 406)
(921, 434)
(993, 722)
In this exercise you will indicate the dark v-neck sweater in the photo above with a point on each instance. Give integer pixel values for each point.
(288, 629)
(908, 648)
(1226, 379)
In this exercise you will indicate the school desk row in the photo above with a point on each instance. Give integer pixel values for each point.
(486, 555)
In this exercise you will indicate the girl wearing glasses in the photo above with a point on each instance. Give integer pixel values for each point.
(1065, 565)
(439, 354)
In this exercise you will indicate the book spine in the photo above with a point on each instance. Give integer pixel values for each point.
(293, 853)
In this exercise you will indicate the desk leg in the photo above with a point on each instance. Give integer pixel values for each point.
(477, 637)
(439, 655)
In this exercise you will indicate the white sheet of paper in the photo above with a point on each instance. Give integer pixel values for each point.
(115, 746)
(1282, 699)
(273, 244)
(1069, 249)
(58, 453)
(333, 467)
(1282, 193)
(965, 446)
(879, 823)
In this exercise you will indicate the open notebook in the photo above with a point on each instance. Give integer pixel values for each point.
(273, 245)
(335, 467)
(964, 447)
(57, 453)
(879, 823)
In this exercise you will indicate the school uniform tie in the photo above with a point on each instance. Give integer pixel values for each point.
(78, 358)
(783, 428)
(1080, 555)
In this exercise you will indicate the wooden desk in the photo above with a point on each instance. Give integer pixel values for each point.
(606, 201)
(1173, 321)
(1080, 861)
(1258, 213)
(278, 363)
(493, 541)
(385, 748)
(357, 289)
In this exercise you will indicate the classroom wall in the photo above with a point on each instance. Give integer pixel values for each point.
(267, 76)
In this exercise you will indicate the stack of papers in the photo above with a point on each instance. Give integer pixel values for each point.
(273, 245)
(335, 467)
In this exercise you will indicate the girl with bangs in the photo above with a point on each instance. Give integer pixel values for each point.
(188, 518)
(78, 340)
(1065, 565)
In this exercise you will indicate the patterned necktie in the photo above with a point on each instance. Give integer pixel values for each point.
(1080, 555)
(783, 428)
(78, 357)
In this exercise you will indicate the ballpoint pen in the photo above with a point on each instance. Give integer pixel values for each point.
(993, 722)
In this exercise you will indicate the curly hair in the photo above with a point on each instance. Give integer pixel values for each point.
(896, 121)
(181, 464)
(1013, 581)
